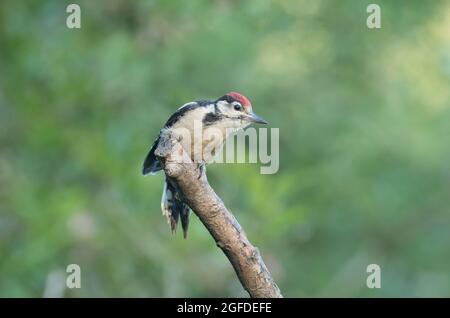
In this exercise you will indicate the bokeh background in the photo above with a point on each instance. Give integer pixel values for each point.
(364, 118)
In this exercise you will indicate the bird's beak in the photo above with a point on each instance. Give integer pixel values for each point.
(256, 119)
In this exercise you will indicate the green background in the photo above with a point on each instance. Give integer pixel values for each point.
(364, 119)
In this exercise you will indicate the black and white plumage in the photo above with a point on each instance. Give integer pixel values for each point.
(230, 112)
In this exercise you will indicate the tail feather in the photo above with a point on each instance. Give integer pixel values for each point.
(173, 208)
(184, 217)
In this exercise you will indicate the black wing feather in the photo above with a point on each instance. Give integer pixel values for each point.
(151, 163)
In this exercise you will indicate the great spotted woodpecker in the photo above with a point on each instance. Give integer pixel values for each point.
(229, 113)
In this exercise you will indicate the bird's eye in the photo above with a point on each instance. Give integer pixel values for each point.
(237, 106)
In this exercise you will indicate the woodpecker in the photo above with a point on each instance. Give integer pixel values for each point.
(227, 114)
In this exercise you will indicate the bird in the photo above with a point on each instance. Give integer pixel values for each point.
(227, 114)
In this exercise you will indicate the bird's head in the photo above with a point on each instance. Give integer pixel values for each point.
(237, 109)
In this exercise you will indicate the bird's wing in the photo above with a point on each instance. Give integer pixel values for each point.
(151, 163)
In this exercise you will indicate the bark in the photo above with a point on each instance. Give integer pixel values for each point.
(221, 224)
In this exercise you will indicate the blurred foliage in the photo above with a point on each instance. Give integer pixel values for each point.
(364, 118)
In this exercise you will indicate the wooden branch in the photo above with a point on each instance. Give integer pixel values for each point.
(221, 224)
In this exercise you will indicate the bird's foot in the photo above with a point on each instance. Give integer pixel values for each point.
(201, 168)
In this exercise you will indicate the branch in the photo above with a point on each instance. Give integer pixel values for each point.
(221, 224)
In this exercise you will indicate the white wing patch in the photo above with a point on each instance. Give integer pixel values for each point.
(187, 104)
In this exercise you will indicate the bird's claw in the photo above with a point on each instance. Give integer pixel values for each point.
(201, 168)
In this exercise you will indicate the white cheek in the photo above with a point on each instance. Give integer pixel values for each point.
(223, 107)
(235, 125)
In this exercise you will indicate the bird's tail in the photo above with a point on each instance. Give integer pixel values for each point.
(174, 208)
